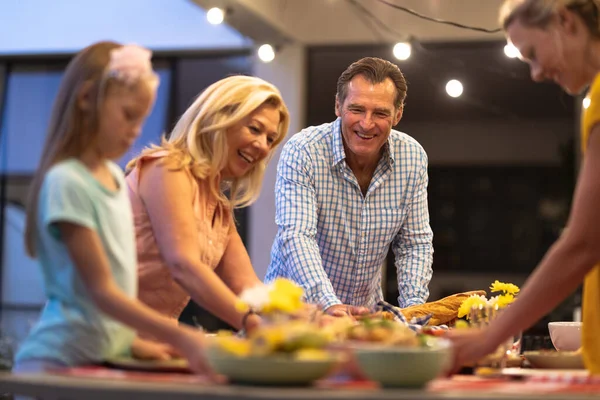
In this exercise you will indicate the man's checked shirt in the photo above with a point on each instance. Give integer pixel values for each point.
(332, 240)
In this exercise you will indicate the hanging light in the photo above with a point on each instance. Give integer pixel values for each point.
(454, 88)
(402, 50)
(511, 51)
(266, 53)
(586, 102)
(215, 15)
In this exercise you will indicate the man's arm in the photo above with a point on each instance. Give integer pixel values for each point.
(413, 246)
(296, 217)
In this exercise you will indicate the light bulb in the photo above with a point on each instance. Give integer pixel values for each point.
(586, 102)
(402, 50)
(454, 88)
(266, 53)
(215, 16)
(511, 51)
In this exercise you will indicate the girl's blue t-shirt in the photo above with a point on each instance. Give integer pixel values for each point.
(71, 329)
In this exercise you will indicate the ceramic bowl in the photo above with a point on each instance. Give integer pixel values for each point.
(407, 367)
(565, 336)
(275, 370)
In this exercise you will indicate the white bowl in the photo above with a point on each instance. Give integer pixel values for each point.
(565, 336)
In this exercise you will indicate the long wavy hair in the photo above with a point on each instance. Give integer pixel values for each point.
(198, 141)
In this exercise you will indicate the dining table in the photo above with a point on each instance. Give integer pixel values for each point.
(101, 383)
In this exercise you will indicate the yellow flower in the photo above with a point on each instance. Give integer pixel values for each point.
(506, 288)
(233, 345)
(284, 296)
(267, 340)
(461, 324)
(311, 355)
(241, 306)
(470, 302)
(504, 300)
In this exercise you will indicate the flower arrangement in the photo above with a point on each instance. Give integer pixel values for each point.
(287, 329)
(282, 296)
(508, 292)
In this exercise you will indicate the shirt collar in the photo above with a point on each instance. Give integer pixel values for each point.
(339, 154)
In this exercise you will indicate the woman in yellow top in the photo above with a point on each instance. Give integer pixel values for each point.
(560, 40)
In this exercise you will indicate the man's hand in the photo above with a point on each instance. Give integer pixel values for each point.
(343, 310)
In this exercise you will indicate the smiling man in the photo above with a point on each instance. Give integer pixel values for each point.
(348, 190)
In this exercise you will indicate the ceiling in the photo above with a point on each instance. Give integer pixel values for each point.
(324, 22)
(337, 33)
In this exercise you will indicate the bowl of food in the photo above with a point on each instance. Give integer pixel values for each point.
(295, 369)
(565, 335)
(395, 356)
(290, 354)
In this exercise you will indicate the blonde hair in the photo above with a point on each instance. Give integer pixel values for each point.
(539, 13)
(198, 141)
(71, 130)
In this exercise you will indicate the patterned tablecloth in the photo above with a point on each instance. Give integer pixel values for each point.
(512, 381)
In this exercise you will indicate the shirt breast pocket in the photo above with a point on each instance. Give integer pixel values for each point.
(388, 222)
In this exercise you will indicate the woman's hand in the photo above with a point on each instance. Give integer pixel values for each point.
(252, 322)
(148, 350)
(469, 346)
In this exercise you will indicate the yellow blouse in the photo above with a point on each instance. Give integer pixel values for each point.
(591, 286)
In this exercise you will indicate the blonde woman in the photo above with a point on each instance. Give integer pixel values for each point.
(183, 193)
(560, 40)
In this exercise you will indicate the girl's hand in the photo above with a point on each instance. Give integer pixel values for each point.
(148, 350)
(192, 345)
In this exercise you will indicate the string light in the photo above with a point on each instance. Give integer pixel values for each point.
(586, 102)
(266, 53)
(402, 50)
(454, 88)
(511, 51)
(215, 15)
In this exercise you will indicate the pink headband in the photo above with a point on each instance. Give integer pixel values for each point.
(129, 63)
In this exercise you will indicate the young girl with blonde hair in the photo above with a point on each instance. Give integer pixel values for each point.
(184, 191)
(79, 220)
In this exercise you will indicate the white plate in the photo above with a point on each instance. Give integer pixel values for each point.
(555, 359)
(544, 373)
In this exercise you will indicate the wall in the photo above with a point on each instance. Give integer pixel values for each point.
(287, 72)
(485, 142)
